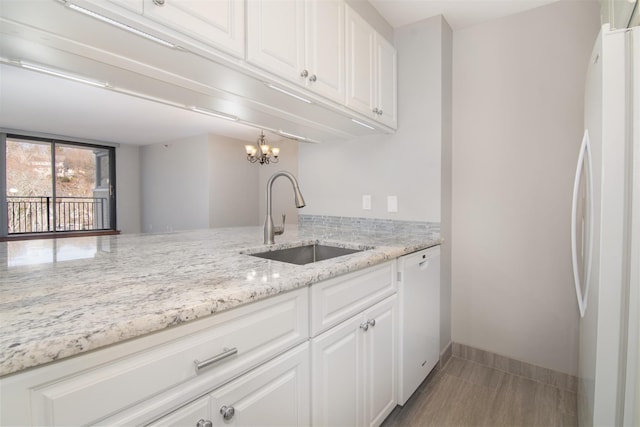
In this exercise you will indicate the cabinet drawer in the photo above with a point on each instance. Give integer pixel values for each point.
(256, 331)
(335, 300)
(275, 394)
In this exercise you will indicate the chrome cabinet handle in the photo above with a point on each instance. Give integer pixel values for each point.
(159, 2)
(227, 412)
(313, 78)
(204, 423)
(380, 112)
(303, 73)
(375, 111)
(228, 352)
(371, 322)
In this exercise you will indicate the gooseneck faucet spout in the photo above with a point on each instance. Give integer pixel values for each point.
(269, 230)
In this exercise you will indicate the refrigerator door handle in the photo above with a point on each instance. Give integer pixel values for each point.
(585, 151)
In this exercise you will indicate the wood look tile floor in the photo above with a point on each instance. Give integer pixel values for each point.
(465, 393)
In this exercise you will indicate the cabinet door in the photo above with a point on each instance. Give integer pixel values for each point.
(188, 415)
(218, 23)
(324, 52)
(135, 5)
(275, 37)
(380, 361)
(360, 39)
(386, 82)
(336, 362)
(275, 394)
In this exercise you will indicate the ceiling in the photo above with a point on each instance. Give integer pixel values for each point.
(41, 103)
(458, 13)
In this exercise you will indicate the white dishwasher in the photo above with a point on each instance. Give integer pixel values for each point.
(419, 298)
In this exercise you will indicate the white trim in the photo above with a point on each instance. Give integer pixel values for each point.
(60, 138)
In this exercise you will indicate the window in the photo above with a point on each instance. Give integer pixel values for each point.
(54, 186)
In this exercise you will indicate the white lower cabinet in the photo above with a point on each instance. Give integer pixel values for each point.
(353, 369)
(257, 364)
(275, 394)
(188, 415)
(138, 381)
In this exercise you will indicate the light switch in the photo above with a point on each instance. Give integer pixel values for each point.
(366, 202)
(392, 203)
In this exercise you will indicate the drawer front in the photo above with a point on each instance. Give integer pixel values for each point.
(338, 299)
(243, 338)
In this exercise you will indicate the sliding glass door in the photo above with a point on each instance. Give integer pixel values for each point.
(56, 186)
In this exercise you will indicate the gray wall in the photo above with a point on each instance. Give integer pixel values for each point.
(175, 185)
(446, 190)
(517, 123)
(128, 188)
(205, 181)
(233, 184)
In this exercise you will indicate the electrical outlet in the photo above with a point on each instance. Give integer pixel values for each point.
(366, 202)
(392, 203)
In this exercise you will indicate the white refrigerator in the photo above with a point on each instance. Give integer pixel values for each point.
(606, 233)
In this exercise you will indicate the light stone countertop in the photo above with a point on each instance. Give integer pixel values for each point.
(62, 297)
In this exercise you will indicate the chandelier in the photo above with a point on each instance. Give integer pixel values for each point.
(262, 152)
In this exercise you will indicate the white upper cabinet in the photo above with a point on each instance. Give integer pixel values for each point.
(324, 53)
(386, 82)
(275, 36)
(301, 41)
(218, 23)
(135, 5)
(360, 46)
(371, 71)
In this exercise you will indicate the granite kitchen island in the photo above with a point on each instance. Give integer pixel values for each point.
(63, 297)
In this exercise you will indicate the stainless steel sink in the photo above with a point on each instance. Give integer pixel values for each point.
(306, 254)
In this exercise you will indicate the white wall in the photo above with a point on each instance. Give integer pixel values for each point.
(233, 184)
(175, 185)
(446, 190)
(335, 175)
(282, 197)
(206, 181)
(517, 124)
(128, 188)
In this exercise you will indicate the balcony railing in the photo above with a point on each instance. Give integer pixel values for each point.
(41, 214)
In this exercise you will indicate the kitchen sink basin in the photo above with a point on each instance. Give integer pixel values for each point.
(306, 254)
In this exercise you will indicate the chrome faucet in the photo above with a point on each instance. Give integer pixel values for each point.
(269, 229)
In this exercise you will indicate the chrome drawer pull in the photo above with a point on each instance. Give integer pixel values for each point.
(228, 352)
